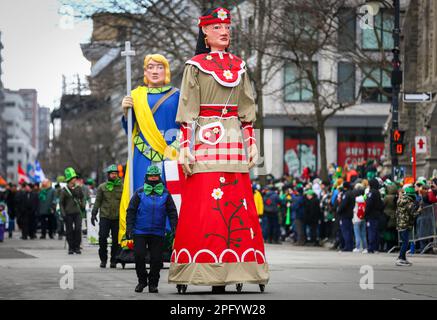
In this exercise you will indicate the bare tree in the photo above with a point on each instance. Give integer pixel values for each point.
(316, 31)
(85, 142)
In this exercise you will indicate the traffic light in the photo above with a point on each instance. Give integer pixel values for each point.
(397, 142)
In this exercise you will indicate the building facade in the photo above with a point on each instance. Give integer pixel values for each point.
(354, 134)
(44, 129)
(20, 150)
(3, 130)
(419, 60)
(30, 98)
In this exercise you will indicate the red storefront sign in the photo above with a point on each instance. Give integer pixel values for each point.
(298, 154)
(353, 153)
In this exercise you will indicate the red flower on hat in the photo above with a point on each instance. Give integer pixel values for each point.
(219, 15)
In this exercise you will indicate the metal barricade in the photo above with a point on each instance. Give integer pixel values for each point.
(426, 228)
(424, 232)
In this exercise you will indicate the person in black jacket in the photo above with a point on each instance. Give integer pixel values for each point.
(271, 212)
(374, 208)
(27, 206)
(345, 212)
(145, 224)
(312, 214)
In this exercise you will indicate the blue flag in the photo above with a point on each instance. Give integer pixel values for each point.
(39, 174)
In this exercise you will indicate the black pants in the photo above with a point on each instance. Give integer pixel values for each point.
(313, 232)
(23, 223)
(73, 224)
(48, 223)
(106, 226)
(273, 227)
(155, 245)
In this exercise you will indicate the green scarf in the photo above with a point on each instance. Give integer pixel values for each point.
(158, 189)
(111, 184)
(288, 217)
(158, 90)
(43, 195)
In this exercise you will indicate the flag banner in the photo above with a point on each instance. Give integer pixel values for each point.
(30, 173)
(39, 173)
(22, 177)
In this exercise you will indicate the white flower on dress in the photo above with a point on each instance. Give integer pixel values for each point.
(208, 57)
(221, 14)
(216, 130)
(228, 74)
(222, 180)
(225, 111)
(217, 194)
(207, 134)
(244, 204)
(252, 234)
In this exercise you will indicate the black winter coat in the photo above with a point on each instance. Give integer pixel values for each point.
(312, 212)
(374, 205)
(346, 208)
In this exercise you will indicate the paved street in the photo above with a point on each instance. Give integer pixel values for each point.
(31, 270)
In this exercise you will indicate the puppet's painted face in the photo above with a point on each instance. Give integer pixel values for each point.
(219, 36)
(155, 74)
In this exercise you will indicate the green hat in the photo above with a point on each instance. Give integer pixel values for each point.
(111, 168)
(388, 182)
(90, 181)
(410, 191)
(310, 192)
(422, 181)
(70, 174)
(60, 179)
(153, 171)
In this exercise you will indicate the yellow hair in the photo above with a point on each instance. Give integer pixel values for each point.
(160, 59)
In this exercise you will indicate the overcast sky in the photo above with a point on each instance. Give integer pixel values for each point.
(40, 45)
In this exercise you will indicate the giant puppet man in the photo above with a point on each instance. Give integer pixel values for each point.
(154, 132)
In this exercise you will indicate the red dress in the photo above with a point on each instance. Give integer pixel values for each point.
(218, 238)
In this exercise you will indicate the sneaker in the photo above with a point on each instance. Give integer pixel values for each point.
(113, 265)
(78, 252)
(102, 265)
(403, 263)
(356, 250)
(365, 251)
(70, 251)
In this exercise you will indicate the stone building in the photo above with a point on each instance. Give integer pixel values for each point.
(419, 61)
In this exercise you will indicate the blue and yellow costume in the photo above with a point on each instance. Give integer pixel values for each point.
(154, 133)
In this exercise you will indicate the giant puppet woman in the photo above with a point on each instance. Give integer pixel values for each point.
(218, 239)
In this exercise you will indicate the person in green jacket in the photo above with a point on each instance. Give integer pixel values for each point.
(47, 208)
(72, 205)
(406, 212)
(108, 202)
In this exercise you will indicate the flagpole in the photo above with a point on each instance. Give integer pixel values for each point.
(128, 53)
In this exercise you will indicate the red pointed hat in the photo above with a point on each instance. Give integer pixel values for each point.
(219, 15)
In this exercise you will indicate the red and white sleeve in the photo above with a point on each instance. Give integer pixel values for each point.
(186, 134)
(248, 133)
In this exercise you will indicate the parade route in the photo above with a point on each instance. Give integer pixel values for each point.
(31, 270)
